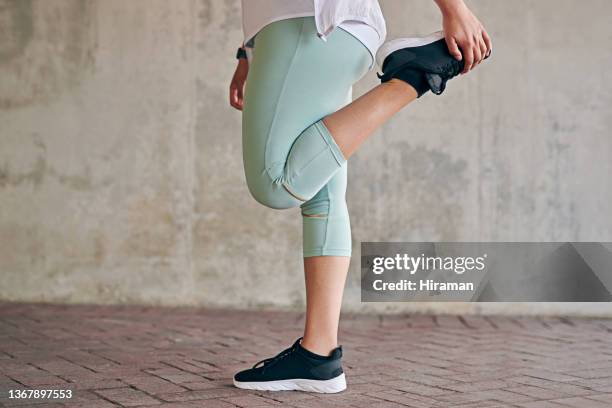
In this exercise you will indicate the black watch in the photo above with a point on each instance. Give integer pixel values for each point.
(241, 53)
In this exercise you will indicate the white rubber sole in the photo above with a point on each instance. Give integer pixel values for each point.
(399, 43)
(332, 386)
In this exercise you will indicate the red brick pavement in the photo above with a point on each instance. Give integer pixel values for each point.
(134, 356)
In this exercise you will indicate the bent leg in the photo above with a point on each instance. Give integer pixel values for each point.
(351, 125)
(295, 80)
(313, 160)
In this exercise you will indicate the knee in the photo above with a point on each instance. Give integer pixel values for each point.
(272, 196)
(318, 207)
(326, 227)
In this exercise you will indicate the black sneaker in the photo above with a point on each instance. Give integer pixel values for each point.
(424, 63)
(295, 369)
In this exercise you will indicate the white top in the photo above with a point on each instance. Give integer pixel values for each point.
(362, 18)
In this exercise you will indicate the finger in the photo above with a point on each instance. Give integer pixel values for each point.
(453, 48)
(234, 97)
(240, 97)
(488, 42)
(231, 94)
(468, 56)
(477, 54)
(483, 49)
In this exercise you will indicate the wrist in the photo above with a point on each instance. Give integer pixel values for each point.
(241, 53)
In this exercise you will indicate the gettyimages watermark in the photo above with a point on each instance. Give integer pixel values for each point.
(486, 272)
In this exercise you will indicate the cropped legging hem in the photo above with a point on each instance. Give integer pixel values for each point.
(328, 252)
(290, 157)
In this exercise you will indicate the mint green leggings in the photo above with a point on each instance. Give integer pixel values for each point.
(290, 158)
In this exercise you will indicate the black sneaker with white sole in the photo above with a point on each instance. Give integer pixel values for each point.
(424, 63)
(295, 369)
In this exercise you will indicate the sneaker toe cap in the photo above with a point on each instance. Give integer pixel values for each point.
(246, 375)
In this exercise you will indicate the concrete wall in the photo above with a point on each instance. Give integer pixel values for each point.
(121, 172)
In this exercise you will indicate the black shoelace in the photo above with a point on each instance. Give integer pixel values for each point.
(269, 362)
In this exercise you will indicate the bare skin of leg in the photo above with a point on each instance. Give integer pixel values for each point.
(326, 275)
(351, 125)
(325, 279)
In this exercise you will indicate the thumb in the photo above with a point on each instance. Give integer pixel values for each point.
(453, 48)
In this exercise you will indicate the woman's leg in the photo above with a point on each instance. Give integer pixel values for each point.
(351, 125)
(325, 279)
(295, 81)
(292, 158)
(327, 231)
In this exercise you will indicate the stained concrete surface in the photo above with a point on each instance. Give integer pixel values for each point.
(121, 169)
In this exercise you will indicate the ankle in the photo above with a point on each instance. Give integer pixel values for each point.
(414, 78)
(322, 347)
(401, 87)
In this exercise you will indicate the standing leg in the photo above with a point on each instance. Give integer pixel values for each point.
(291, 159)
(327, 250)
(310, 168)
(326, 275)
(325, 279)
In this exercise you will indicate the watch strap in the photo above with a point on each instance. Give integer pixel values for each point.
(241, 53)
